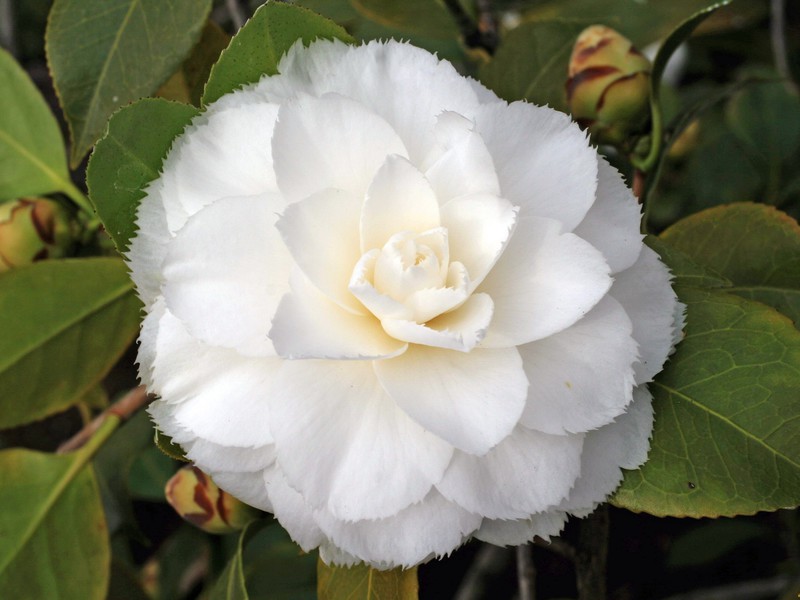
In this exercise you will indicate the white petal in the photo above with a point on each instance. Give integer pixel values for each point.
(148, 340)
(308, 324)
(524, 474)
(543, 283)
(460, 164)
(226, 271)
(479, 227)
(247, 487)
(623, 443)
(224, 152)
(292, 511)
(399, 199)
(612, 224)
(330, 142)
(380, 305)
(345, 445)
(645, 293)
(211, 457)
(321, 233)
(331, 554)
(461, 329)
(214, 393)
(502, 532)
(544, 161)
(149, 246)
(407, 86)
(433, 527)
(582, 377)
(470, 400)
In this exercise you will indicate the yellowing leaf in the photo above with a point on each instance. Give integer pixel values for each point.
(364, 583)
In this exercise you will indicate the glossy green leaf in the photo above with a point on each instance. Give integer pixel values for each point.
(727, 417)
(104, 54)
(531, 63)
(128, 157)
(276, 568)
(32, 160)
(52, 527)
(65, 323)
(754, 246)
(428, 18)
(165, 444)
(364, 583)
(686, 272)
(231, 584)
(258, 47)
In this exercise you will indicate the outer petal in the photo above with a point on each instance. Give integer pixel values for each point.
(225, 288)
(544, 161)
(321, 233)
(544, 282)
(582, 377)
(292, 510)
(645, 293)
(370, 459)
(406, 86)
(149, 246)
(470, 400)
(247, 487)
(224, 152)
(479, 228)
(612, 224)
(399, 199)
(525, 474)
(211, 457)
(307, 324)
(623, 443)
(214, 393)
(433, 527)
(517, 532)
(461, 329)
(329, 142)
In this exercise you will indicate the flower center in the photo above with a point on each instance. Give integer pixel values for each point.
(410, 262)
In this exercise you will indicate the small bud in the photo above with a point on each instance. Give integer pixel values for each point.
(32, 229)
(608, 90)
(196, 498)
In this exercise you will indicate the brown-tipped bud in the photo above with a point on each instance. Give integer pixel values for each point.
(196, 498)
(608, 89)
(32, 229)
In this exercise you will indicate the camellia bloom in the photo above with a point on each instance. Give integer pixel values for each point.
(397, 311)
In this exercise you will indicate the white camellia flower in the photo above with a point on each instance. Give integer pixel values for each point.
(397, 311)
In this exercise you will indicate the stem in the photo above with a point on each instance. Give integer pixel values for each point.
(476, 35)
(488, 563)
(591, 556)
(78, 198)
(237, 14)
(526, 573)
(777, 30)
(121, 410)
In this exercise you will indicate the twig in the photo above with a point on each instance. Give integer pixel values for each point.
(476, 35)
(557, 546)
(591, 555)
(238, 16)
(777, 30)
(122, 408)
(526, 573)
(759, 589)
(489, 561)
(8, 39)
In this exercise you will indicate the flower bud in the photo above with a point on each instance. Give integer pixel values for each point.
(196, 498)
(609, 85)
(32, 229)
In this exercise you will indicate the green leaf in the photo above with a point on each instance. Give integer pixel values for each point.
(128, 157)
(276, 568)
(766, 117)
(55, 541)
(258, 47)
(65, 323)
(32, 160)
(104, 54)
(686, 272)
(711, 541)
(727, 418)
(531, 63)
(164, 443)
(149, 474)
(427, 18)
(754, 246)
(364, 583)
(231, 585)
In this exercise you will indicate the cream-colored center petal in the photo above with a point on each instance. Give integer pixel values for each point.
(410, 262)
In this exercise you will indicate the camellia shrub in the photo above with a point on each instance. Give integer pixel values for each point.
(407, 284)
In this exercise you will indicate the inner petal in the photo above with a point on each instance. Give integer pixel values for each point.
(411, 262)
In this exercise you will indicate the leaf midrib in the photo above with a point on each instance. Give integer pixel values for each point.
(56, 179)
(728, 422)
(69, 323)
